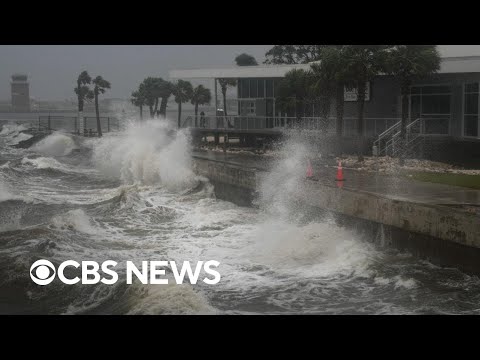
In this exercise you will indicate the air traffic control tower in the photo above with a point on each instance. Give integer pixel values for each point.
(20, 93)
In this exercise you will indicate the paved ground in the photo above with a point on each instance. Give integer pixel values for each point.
(394, 187)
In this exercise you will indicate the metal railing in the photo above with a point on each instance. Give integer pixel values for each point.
(372, 126)
(71, 124)
(390, 142)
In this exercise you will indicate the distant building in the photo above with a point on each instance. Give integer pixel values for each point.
(20, 93)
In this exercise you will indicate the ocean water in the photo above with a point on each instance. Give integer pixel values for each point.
(133, 195)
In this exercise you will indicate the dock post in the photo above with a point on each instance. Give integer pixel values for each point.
(108, 124)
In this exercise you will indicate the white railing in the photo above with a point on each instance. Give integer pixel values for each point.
(372, 126)
(390, 142)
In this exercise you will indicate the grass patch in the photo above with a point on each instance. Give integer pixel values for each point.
(468, 181)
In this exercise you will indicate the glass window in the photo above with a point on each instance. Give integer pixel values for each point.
(416, 90)
(471, 103)
(436, 104)
(436, 90)
(247, 108)
(261, 88)
(471, 125)
(244, 88)
(253, 88)
(471, 87)
(269, 88)
(239, 88)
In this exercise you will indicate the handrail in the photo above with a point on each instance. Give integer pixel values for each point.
(391, 142)
(386, 132)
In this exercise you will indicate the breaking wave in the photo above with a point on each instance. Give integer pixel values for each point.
(150, 153)
(56, 144)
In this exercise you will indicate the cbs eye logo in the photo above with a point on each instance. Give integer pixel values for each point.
(42, 272)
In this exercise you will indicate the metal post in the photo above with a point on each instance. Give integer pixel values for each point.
(39, 123)
(108, 124)
(216, 101)
(49, 124)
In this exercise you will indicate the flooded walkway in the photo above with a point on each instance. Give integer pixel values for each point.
(393, 187)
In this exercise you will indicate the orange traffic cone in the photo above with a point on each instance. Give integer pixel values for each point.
(340, 172)
(309, 170)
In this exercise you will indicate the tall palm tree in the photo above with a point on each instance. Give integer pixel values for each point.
(138, 99)
(100, 86)
(293, 91)
(200, 96)
(83, 91)
(409, 63)
(182, 90)
(362, 64)
(165, 90)
(224, 84)
(331, 79)
(151, 87)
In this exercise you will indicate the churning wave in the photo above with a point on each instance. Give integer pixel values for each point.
(133, 196)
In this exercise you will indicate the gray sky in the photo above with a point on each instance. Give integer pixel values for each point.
(52, 69)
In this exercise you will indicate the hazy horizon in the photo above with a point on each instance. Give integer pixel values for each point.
(125, 66)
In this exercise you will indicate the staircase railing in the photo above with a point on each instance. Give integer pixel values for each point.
(386, 137)
(394, 146)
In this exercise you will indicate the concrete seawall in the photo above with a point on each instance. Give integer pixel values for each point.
(441, 234)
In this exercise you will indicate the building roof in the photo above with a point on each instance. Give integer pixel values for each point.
(259, 71)
(461, 64)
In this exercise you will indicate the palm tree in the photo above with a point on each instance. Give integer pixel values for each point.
(151, 93)
(100, 85)
(182, 90)
(224, 84)
(138, 99)
(245, 60)
(200, 96)
(409, 63)
(165, 90)
(331, 79)
(362, 64)
(293, 90)
(83, 91)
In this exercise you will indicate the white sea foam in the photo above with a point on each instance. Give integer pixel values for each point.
(76, 220)
(405, 283)
(170, 299)
(6, 193)
(19, 138)
(44, 163)
(150, 153)
(12, 129)
(56, 144)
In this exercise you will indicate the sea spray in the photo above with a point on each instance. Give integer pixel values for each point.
(56, 144)
(288, 242)
(150, 153)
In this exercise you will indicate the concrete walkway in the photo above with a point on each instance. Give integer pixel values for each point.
(393, 187)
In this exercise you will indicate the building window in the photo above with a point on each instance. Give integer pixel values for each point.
(247, 108)
(261, 88)
(244, 88)
(253, 88)
(269, 88)
(470, 109)
(433, 104)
